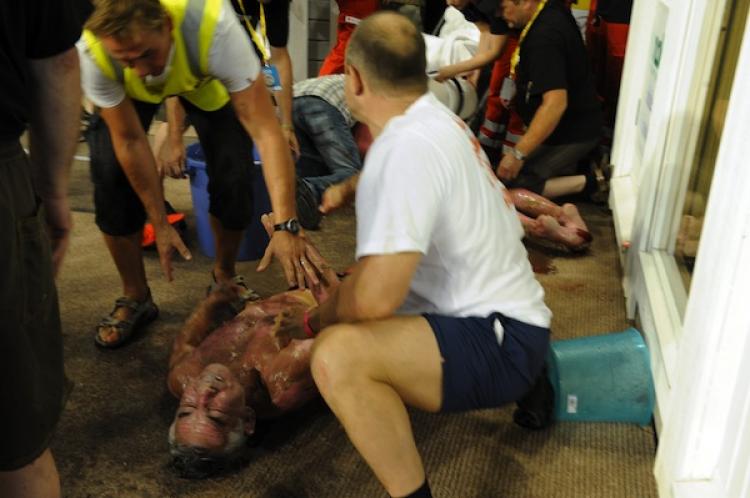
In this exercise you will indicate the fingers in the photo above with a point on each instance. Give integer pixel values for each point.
(182, 249)
(332, 199)
(299, 273)
(265, 260)
(165, 259)
(321, 265)
(310, 275)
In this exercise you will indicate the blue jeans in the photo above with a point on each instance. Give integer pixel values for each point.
(328, 153)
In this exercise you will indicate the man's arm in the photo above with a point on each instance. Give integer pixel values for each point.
(135, 156)
(255, 112)
(544, 122)
(376, 288)
(171, 152)
(282, 61)
(490, 48)
(54, 127)
(339, 194)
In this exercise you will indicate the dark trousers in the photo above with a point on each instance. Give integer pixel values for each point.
(31, 354)
(229, 166)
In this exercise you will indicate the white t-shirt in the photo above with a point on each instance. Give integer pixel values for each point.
(231, 60)
(427, 186)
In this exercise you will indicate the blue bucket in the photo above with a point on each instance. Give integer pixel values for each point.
(255, 239)
(604, 378)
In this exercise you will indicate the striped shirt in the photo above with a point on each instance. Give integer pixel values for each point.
(329, 88)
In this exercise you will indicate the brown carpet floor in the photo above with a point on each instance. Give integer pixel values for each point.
(111, 441)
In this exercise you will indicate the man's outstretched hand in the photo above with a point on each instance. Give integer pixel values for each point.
(339, 195)
(167, 240)
(299, 268)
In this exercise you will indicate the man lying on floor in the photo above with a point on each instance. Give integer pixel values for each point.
(227, 376)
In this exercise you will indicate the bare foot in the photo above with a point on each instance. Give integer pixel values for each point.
(571, 218)
(571, 237)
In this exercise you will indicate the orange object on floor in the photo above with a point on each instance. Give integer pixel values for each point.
(149, 236)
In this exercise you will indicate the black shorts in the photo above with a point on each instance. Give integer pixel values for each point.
(31, 354)
(478, 370)
(229, 166)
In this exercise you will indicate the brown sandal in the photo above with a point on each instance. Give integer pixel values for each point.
(144, 313)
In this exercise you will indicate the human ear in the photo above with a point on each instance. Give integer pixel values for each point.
(356, 79)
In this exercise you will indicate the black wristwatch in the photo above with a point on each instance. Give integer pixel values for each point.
(291, 225)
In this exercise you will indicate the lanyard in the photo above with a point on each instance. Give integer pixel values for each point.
(259, 40)
(516, 57)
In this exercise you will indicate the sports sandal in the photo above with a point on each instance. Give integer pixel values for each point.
(244, 296)
(143, 313)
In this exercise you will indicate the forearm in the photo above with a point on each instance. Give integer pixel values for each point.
(350, 184)
(544, 122)
(54, 122)
(489, 49)
(137, 161)
(339, 308)
(255, 112)
(175, 118)
(479, 60)
(375, 290)
(196, 328)
(280, 57)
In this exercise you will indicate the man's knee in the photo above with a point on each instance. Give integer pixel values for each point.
(38, 478)
(338, 357)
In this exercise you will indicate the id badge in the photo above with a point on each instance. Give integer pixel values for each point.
(271, 77)
(507, 92)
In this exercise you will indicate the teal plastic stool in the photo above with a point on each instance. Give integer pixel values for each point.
(255, 239)
(604, 378)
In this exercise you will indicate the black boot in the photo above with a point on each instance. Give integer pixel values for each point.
(535, 409)
(307, 206)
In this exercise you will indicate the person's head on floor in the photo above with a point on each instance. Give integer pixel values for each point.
(385, 58)
(211, 423)
(136, 33)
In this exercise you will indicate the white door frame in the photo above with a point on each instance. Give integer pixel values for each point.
(704, 448)
(650, 177)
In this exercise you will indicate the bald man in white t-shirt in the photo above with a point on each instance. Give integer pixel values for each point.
(441, 311)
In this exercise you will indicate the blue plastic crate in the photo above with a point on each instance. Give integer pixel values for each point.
(603, 378)
(256, 239)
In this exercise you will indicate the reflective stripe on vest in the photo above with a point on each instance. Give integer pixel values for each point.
(193, 25)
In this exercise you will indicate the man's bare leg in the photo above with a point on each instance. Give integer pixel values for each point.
(533, 204)
(367, 372)
(562, 224)
(39, 479)
(227, 244)
(564, 185)
(127, 254)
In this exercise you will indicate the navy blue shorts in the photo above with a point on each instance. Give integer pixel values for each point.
(478, 371)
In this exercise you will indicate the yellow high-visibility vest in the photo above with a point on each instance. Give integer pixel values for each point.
(193, 25)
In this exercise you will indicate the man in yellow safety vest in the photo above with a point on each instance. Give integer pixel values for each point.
(136, 53)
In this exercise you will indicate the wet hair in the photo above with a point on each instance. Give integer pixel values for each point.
(390, 51)
(118, 18)
(194, 462)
